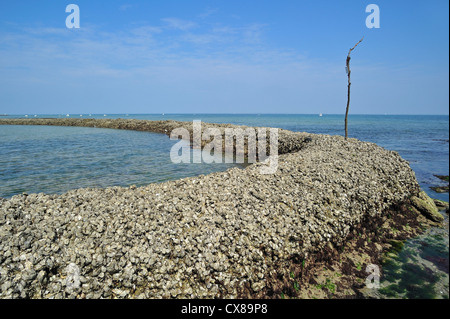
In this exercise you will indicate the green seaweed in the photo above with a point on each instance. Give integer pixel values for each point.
(414, 282)
(396, 245)
(359, 266)
(393, 290)
(328, 284)
(403, 273)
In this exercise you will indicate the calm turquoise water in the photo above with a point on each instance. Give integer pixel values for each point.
(36, 159)
(56, 159)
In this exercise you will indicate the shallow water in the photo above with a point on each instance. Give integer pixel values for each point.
(420, 270)
(53, 159)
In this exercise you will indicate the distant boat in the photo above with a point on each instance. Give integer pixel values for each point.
(320, 114)
(67, 115)
(26, 115)
(104, 114)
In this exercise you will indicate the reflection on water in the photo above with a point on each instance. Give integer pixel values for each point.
(51, 159)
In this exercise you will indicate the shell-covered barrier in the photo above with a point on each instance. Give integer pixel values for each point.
(199, 237)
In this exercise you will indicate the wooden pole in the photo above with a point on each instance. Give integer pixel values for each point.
(349, 84)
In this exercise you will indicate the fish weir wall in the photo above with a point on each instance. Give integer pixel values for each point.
(199, 237)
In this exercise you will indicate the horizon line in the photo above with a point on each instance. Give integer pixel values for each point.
(202, 113)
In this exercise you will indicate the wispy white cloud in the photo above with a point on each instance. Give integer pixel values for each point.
(208, 12)
(179, 24)
(221, 64)
(142, 46)
(253, 32)
(125, 7)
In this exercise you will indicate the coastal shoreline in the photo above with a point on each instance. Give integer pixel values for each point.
(230, 234)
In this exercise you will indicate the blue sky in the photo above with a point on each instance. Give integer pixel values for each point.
(228, 56)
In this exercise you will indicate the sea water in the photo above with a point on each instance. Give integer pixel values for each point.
(54, 159)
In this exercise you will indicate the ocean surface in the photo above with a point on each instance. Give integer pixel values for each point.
(56, 159)
(37, 159)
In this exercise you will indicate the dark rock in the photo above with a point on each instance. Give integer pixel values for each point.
(440, 189)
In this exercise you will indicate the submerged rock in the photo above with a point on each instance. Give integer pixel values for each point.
(440, 204)
(443, 177)
(440, 189)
